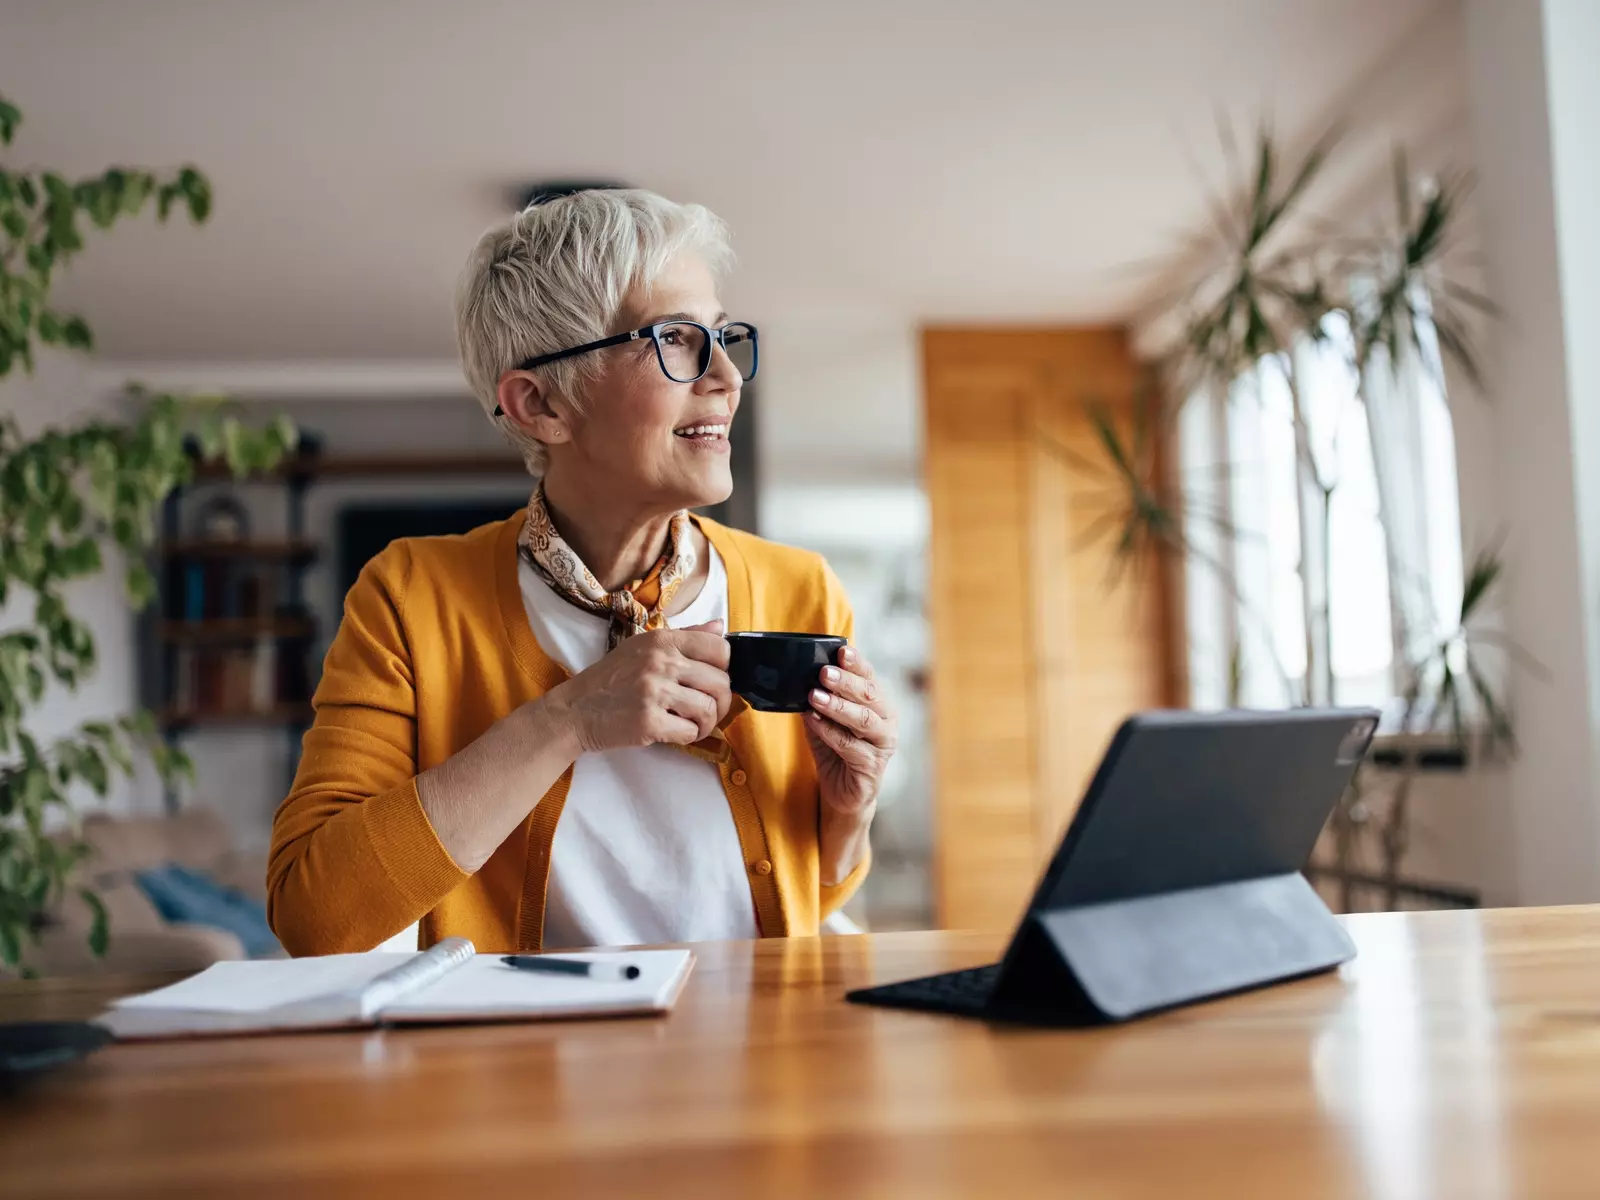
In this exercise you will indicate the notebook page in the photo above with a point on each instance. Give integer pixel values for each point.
(412, 976)
(254, 987)
(486, 989)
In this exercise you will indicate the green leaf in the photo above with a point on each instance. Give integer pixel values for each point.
(196, 189)
(100, 731)
(210, 436)
(75, 333)
(136, 190)
(141, 585)
(100, 926)
(58, 190)
(92, 769)
(166, 195)
(25, 189)
(288, 433)
(14, 222)
(177, 766)
(101, 201)
(141, 723)
(1481, 576)
(10, 119)
(10, 939)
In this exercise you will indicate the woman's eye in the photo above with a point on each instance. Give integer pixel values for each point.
(672, 337)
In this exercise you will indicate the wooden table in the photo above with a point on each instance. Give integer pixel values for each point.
(1458, 1056)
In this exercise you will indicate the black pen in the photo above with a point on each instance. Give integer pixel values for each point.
(609, 971)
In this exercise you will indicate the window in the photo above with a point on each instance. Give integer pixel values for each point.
(1389, 542)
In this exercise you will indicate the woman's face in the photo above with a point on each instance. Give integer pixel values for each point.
(659, 443)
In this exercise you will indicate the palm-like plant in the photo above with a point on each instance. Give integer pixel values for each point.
(1260, 290)
(1269, 277)
(1413, 289)
(1261, 295)
(1136, 509)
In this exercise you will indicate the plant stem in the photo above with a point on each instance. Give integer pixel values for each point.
(1314, 502)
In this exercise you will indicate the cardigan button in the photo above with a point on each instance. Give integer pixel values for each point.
(739, 778)
(764, 867)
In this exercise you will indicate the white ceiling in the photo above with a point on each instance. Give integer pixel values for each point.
(879, 163)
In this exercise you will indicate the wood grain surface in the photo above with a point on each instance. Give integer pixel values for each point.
(1044, 637)
(1458, 1056)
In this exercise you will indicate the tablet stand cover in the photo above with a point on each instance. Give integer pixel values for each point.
(1124, 958)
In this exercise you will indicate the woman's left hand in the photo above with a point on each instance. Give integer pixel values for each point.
(853, 730)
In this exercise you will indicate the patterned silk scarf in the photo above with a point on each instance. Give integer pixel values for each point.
(637, 608)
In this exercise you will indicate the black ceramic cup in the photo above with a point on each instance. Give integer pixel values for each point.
(775, 672)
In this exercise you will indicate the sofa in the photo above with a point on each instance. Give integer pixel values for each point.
(141, 940)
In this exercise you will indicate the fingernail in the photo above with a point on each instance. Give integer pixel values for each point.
(849, 657)
(830, 674)
(821, 698)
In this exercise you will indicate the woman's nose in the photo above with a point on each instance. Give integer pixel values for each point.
(726, 375)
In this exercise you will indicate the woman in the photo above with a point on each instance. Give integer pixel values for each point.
(525, 735)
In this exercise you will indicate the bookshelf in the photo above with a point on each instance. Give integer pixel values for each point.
(298, 551)
(174, 721)
(224, 629)
(320, 466)
(231, 637)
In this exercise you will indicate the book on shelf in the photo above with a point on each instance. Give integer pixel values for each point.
(264, 674)
(238, 671)
(217, 589)
(229, 678)
(207, 679)
(183, 693)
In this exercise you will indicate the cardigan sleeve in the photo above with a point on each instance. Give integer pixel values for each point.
(354, 859)
(832, 899)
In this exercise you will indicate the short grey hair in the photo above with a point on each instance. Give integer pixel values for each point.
(556, 275)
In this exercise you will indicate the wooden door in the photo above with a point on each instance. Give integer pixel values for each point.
(1043, 639)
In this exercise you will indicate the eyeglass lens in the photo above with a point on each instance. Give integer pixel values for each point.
(686, 350)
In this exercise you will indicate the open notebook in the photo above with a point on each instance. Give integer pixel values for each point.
(445, 983)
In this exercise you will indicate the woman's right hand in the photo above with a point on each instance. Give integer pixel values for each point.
(668, 685)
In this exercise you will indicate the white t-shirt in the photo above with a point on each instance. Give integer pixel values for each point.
(646, 849)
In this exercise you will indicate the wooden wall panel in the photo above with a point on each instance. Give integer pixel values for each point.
(1036, 657)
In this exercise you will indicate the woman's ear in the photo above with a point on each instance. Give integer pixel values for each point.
(525, 401)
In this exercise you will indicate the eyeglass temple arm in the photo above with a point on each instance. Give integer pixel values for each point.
(540, 360)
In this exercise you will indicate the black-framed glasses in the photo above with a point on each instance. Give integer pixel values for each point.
(683, 348)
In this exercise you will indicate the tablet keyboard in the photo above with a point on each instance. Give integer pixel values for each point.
(955, 991)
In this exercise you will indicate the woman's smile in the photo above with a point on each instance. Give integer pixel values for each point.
(709, 436)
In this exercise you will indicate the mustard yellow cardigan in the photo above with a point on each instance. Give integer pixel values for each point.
(434, 648)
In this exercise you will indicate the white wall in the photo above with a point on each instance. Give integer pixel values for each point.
(1572, 58)
(1535, 104)
(840, 397)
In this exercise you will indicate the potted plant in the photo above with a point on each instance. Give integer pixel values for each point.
(1267, 279)
(67, 496)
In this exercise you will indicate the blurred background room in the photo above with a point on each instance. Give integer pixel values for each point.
(1157, 353)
